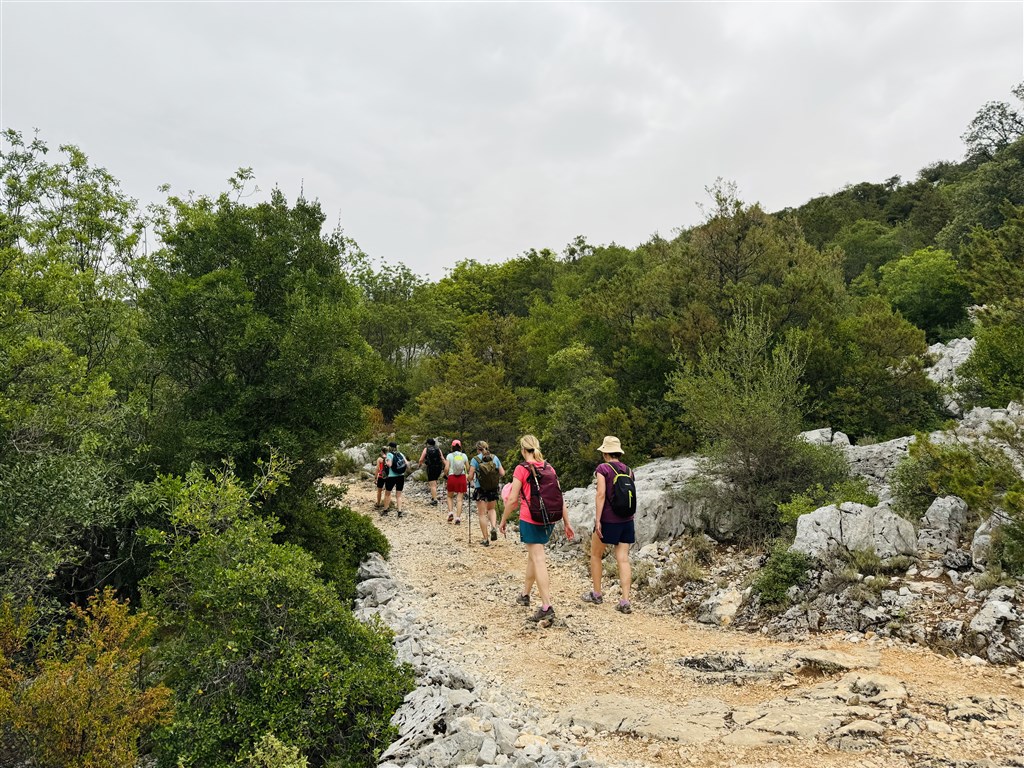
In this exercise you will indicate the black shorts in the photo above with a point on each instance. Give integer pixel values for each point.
(479, 495)
(395, 483)
(433, 474)
(618, 533)
(380, 482)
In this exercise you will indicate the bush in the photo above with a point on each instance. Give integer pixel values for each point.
(342, 464)
(983, 474)
(83, 701)
(255, 642)
(928, 289)
(338, 537)
(271, 753)
(853, 489)
(784, 569)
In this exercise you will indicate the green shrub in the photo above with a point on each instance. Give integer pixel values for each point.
(784, 569)
(337, 536)
(270, 752)
(852, 489)
(254, 641)
(342, 464)
(981, 473)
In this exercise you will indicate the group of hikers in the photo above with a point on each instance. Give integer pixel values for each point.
(537, 496)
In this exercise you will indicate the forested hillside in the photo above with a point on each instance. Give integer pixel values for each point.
(175, 579)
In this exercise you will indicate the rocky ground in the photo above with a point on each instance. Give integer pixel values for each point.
(653, 688)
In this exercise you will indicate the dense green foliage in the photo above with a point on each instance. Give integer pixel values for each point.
(259, 644)
(784, 569)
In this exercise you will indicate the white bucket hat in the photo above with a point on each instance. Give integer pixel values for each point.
(610, 445)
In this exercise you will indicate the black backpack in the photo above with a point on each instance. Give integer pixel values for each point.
(546, 501)
(398, 463)
(622, 493)
(487, 474)
(434, 457)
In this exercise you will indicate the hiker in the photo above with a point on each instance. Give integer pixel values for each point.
(538, 512)
(485, 473)
(435, 464)
(382, 470)
(457, 464)
(395, 481)
(615, 505)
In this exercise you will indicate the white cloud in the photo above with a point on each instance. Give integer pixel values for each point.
(437, 132)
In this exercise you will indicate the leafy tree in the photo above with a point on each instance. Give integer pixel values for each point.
(866, 374)
(868, 244)
(994, 265)
(980, 197)
(994, 373)
(996, 125)
(743, 398)
(254, 331)
(928, 289)
(67, 235)
(255, 642)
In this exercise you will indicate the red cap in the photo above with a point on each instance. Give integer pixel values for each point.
(456, 443)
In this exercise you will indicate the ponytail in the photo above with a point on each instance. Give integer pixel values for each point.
(531, 445)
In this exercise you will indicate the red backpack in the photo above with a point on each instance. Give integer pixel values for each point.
(546, 502)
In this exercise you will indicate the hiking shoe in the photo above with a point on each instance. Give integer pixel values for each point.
(624, 607)
(593, 597)
(485, 543)
(458, 520)
(523, 600)
(451, 516)
(400, 513)
(542, 614)
(433, 502)
(494, 533)
(383, 513)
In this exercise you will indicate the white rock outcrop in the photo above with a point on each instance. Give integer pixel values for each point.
(852, 527)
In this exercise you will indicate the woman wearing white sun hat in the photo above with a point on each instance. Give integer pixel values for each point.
(615, 505)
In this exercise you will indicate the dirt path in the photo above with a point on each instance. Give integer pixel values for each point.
(469, 591)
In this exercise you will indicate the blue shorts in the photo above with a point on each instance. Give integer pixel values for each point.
(531, 533)
(618, 533)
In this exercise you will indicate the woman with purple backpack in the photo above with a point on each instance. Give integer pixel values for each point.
(538, 497)
(615, 505)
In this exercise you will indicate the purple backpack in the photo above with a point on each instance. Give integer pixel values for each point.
(546, 502)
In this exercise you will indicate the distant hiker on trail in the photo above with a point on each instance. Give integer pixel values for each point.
(536, 493)
(615, 505)
(458, 465)
(395, 481)
(382, 471)
(485, 472)
(435, 464)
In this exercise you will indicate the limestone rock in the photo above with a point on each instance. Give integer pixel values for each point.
(942, 525)
(982, 541)
(720, 609)
(821, 436)
(851, 527)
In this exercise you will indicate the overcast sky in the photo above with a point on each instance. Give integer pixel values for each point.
(436, 132)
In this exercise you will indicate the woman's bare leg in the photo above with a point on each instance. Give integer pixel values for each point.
(596, 555)
(625, 569)
(540, 572)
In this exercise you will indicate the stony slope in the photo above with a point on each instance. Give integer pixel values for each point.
(654, 689)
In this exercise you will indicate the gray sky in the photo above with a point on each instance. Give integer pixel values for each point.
(436, 132)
